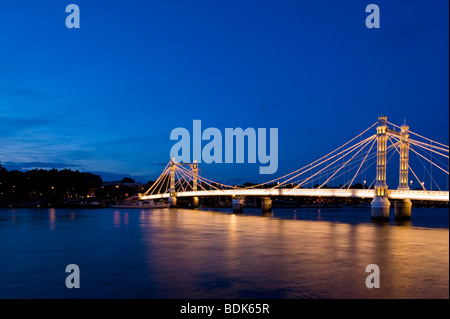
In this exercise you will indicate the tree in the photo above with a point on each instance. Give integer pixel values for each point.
(127, 180)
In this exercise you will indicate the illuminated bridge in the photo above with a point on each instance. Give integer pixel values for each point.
(350, 161)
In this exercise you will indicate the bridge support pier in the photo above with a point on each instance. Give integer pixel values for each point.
(238, 205)
(195, 202)
(380, 208)
(172, 201)
(266, 205)
(403, 209)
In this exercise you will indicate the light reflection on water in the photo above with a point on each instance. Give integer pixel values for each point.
(178, 253)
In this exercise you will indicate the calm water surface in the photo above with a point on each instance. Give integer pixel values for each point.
(179, 253)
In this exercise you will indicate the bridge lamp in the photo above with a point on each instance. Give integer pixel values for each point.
(410, 182)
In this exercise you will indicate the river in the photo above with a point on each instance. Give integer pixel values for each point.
(182, 253)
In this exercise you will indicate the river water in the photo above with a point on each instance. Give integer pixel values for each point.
(181, 253)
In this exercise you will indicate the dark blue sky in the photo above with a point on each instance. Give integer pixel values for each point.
(105, 97)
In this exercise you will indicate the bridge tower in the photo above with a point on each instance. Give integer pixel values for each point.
(380, 203)
(194, 183)
(404, 158)
(173, 195)
(403, 206)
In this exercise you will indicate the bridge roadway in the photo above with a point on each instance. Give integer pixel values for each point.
(326, 192)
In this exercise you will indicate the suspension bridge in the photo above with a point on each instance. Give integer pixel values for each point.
(349, 162)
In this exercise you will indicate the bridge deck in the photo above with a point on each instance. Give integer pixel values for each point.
(327, 192)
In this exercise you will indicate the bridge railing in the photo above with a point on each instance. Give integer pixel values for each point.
(328, 192)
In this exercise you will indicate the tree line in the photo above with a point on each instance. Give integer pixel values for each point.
(40, 184)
